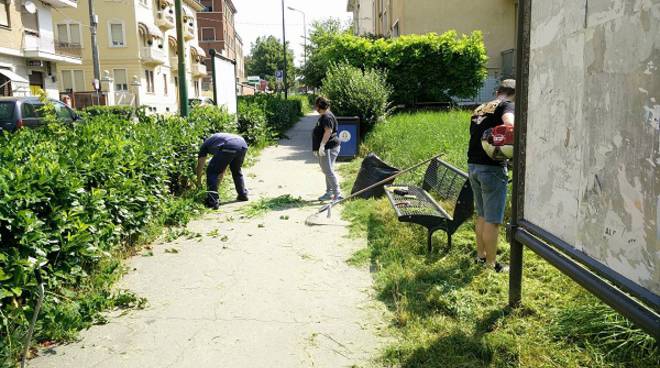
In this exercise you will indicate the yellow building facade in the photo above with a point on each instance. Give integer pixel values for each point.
(137, 46)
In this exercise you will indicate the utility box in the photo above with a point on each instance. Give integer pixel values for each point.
(348, 130)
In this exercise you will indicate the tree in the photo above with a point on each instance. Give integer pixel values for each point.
(321, 36)
(266, 57)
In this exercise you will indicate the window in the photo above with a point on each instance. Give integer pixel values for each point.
(31, 111)
(165, 84)
(149, 74)
(30, 21)
(196, 84)
(208, 34)
(116, 35)
(121, 79)
(144, 3)
(73, 80)
(4, 13)
(68, 35)
(62, 112)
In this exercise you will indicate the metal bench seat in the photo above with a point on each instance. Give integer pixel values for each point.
(419, 205)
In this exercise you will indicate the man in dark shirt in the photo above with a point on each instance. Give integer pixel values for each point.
(488, 177)
(227, 150)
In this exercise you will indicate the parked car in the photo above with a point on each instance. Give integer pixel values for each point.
(201, 101)
(19, 112)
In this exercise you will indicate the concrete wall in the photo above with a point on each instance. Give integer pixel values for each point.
(593, 130)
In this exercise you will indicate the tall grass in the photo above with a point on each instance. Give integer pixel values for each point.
(448, 312)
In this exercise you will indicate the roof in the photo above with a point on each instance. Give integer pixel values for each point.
(13, 76)
(151, 29)
(200, 51)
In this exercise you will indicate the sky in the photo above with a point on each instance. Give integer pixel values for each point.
(264, 17)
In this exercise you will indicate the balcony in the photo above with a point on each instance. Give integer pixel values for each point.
(68, 49)
(62, 3)
(198, 70)
(189, 33)
(43, 47)
(165, 20)
(153, 55)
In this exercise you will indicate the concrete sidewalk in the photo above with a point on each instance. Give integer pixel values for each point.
(262, 292)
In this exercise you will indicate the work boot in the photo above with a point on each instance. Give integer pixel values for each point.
(242, 198)
(326, 197)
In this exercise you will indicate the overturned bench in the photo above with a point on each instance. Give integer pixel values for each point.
(443, 202)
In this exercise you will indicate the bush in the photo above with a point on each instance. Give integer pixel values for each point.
(420, 68)
(353, 92)
(124, 112)
(252, 123)
(75, 196)
(280, 114)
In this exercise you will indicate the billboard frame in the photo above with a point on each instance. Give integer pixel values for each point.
(215, 54)
(639, 305)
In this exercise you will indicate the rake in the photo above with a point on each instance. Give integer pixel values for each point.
(315, 218)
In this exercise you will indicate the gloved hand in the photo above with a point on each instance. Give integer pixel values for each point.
(316, 153)
(322, 151)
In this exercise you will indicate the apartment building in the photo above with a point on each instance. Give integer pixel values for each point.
(137, 45)
(495, 18)
(217, 31)
(29, 59)
(363, 16)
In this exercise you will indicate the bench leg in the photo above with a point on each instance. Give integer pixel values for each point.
(448, 242)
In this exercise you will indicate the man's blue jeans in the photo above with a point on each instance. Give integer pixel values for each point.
(226, 157)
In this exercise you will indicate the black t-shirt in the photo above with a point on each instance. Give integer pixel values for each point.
(327, 120)
(486, 116)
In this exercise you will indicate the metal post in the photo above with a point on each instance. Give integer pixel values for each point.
(286, 83)
(180, 49)
(93, 24)
(517, 199)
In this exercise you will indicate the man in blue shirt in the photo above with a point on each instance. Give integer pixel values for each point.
(227, 150)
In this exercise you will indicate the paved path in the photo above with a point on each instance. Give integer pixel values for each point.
(273, 293)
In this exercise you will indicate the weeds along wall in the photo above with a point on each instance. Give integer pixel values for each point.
(74, 196)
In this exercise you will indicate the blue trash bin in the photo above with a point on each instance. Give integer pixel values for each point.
(349, 135)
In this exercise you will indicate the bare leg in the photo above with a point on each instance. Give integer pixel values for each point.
(490, 233)
(479, 230)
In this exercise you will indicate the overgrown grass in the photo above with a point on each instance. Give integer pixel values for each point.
(449, 312)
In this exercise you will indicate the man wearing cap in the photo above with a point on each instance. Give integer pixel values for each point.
(227, 150)
(488, 177)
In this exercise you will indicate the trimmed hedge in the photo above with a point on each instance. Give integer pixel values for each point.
(74, 196)
(278, 113)
(420, 68)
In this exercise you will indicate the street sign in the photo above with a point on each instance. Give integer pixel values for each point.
(279, 75)
(254, 79)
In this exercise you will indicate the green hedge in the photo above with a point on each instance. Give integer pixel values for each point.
(420, 68)
(278, 113)
(353, 92)
(75, 196)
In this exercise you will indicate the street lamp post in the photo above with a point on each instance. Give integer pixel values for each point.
(304, 29)
(286, 83)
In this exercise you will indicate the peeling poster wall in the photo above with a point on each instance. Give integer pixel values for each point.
(593, 130)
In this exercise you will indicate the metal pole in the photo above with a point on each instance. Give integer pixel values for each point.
(180, 49)
(517, 203)
(286, 83)
(305, 32)
(93, 22)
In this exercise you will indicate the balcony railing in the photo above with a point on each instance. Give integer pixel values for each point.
(165, 20)
(68, 49)
(198, 70)
(153, 55)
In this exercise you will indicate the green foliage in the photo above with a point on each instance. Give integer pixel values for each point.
(449, 312)
(265, 205)
(353, 92)
(420, 68)
(124, 112)
(77, 196)
(321, 36)
(266, 57)
(278, 113)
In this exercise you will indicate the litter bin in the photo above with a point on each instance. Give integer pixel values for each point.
(348, 131)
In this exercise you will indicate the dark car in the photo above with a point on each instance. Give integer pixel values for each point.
(19, 112)
(201, 101)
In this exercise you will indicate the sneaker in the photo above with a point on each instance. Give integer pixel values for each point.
(500, 267)
(338, 198)
(326, 197)
(242, 198)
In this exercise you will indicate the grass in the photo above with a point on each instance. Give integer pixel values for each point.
(448, 312)
(265, 205)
